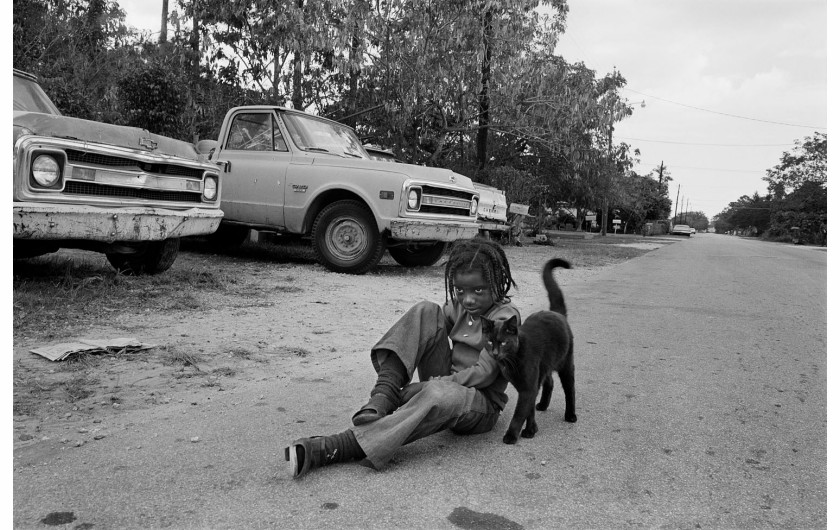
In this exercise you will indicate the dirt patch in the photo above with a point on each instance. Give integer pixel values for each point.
(220, 322)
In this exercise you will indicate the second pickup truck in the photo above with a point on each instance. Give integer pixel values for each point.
(290, 172)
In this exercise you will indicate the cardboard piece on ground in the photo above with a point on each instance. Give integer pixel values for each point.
(59, 352)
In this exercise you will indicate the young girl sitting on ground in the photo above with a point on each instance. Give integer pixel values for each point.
(460, 387)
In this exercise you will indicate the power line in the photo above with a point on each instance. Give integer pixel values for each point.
(707, 168)
(724, 113)
(703, 145)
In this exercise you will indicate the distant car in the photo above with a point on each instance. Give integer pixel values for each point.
(693, 230)
(681, 230)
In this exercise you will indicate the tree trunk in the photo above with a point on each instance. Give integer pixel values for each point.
(297, 82)
(164, 16)
(275, 77)
(481, 138)
(608, 183)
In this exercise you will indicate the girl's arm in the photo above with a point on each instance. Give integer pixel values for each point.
(484, 372)
(480, 375)
(449, 314)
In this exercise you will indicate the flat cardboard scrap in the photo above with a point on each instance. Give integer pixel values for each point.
(59, 352)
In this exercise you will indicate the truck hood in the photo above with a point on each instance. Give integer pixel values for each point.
(431, 174)
(103, 133)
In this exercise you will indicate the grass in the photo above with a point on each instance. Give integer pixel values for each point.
(58, 292)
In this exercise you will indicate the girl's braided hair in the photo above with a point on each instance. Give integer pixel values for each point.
(482, 254)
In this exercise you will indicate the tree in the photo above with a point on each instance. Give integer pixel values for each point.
(640, 200)
(744, 214)
(807, 163)
(806, 208)
(74, 46)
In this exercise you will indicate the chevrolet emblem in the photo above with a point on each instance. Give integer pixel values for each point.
(148, 143)
(452, 179)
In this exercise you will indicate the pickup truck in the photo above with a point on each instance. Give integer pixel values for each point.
(288, 172)
(492, 210)
(117, 190)
(492, 203)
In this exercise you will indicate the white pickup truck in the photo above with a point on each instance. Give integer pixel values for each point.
(292, 173)
(117, 190)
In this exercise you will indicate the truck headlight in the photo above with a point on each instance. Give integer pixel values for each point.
(46, 171)
(414, 199)
(211, 188)
(474, 205)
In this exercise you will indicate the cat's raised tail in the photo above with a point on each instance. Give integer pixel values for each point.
(555, 296)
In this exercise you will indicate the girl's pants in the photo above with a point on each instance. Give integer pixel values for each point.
(419, 338)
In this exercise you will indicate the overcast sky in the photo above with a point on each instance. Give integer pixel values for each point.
(728, 85)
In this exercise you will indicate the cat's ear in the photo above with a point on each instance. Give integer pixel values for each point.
(511, 325)
(486, 325)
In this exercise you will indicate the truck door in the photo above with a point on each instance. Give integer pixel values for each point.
(253, 189)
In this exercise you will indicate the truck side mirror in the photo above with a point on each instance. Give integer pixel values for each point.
(206, 147)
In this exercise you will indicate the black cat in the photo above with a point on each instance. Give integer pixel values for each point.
(529, 354)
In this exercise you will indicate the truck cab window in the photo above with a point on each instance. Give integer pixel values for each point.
(251, 132)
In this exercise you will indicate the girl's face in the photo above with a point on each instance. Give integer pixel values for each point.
(472, 291)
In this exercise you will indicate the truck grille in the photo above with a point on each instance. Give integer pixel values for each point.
(86, 188)
(82, 157)
(436, 191)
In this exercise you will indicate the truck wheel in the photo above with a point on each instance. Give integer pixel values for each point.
(346, 239)
(418, 256)
(229, 237)
(150, 258)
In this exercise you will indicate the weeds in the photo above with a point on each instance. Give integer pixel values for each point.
(61, 291)
(78, 387)
(173, 357)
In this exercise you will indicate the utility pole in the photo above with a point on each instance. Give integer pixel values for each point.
(677, 204)
(661, 172)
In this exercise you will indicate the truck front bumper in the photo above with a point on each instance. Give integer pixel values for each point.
(45, 221)
(415, 230)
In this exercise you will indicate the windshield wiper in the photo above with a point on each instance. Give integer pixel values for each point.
(354, 155)
(320, 150)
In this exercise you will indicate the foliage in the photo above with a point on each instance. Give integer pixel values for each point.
(806, 208)
(473, 86)
(76, 47)
(640, 200)
(796, 206)
(151, 99)
(744, 214)
(807, 163)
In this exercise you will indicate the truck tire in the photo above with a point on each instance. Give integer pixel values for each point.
(228, 237)
(150, 258)
(418, 256)
(346, 239)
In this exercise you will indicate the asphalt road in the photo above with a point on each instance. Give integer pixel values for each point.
(701, 370)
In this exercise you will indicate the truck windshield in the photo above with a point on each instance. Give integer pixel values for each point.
(29, 96)
(313, 134)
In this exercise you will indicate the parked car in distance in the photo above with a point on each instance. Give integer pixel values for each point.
(693, 230)
(294, 174)
(681, 230)
(117, 190)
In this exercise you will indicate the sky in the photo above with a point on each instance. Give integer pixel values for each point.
(728, 85)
